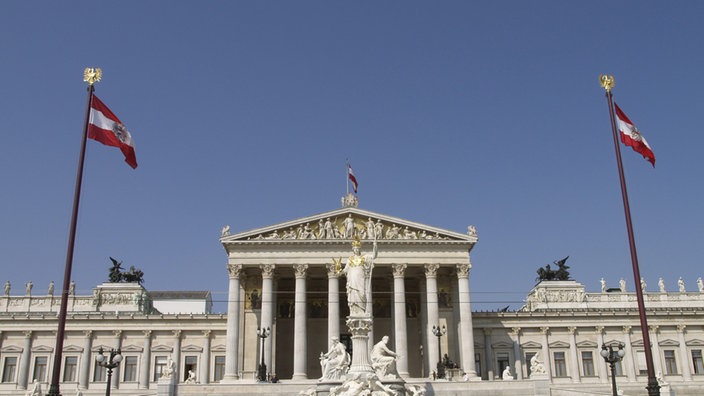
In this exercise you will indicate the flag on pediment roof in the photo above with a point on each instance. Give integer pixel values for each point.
(347, 223)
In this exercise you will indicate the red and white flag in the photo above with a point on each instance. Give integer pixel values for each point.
(630, 136)
(353, 179)
(105, 127)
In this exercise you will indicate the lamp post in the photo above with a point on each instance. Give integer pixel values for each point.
(261, 372)
(112, 362)
(439, 332)
(611, 357)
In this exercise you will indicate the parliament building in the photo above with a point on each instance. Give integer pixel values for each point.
(285, 284)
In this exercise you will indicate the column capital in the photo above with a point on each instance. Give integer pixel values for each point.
(599, 329)
(627, 329)
(88, 333)
(486, 331)
(399, 270)
(545, 330)
(516, 331)
(267, 271)
(27, 333)
(332, 270)
(681, 327)
(463, 270)
(117, 333)
(654, 328)
(431, 270)
(300, 270)
(571, 329)
(177, 333)
(234, 270)
(147, 333)
(206, 333)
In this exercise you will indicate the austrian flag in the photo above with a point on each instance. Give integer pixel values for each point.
(353, 179)
(630, 136)
(105, 127)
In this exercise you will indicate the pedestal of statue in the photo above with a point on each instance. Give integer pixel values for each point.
(360, 326)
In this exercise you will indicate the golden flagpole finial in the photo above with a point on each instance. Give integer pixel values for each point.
(607, 82)
(92, 75)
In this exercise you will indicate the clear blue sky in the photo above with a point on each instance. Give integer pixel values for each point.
(452, 113)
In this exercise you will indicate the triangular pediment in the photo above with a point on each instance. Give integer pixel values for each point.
(344, 224)
(73, 348)
(531, 345)
(11, 349)
(218, 348)
(42, 349)
(132, 348)
(669, 343)
(559, 344)
(695, 342)
(587, 344)
(191, 348)
(162, 348)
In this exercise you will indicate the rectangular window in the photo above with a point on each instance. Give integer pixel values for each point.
(560, 365)
(40, 363)
(526, 364)
(478, 363)
(219, 367)
(502, 361)
(642, 365)
(587, 364)
(670, 362)
(98, 373)
(697, 361)
(130, 369)
(70, 367)
(159, 366)
(618, 368)
(9, 369)
(190, 364)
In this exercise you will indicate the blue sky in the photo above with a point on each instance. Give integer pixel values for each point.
(452, 113)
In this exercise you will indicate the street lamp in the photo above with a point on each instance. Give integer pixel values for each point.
(611, 357)
(439, 332)
(112, 362)
(263, 334)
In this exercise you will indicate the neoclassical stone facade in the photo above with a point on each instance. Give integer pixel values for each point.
(284, 277)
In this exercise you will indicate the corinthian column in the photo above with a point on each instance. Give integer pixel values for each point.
(431, 296)
(300, 348)
(83, 375)
(333, 302)
(205, 363)
(400, 331)
(24, 361)
(267, 319)
(146, 358)
(466, 326)
(232, 334)
(684, 359)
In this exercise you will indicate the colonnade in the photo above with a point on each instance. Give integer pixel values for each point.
(300, 336)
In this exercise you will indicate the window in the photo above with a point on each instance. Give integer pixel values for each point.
(529, 356)
(478, 363)
(70, 365)
(502, 361)
(40, 364)
(587, 364)
(190, 364)
(560, 364)
(642, 365)
(697, 361)
(98, 373)
(130, 369)
(9, 369)
(159, 366)
(219, 367)
(670, 362)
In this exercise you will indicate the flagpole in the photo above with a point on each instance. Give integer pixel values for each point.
(91, 76)
(607, 82)
(347, 178)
